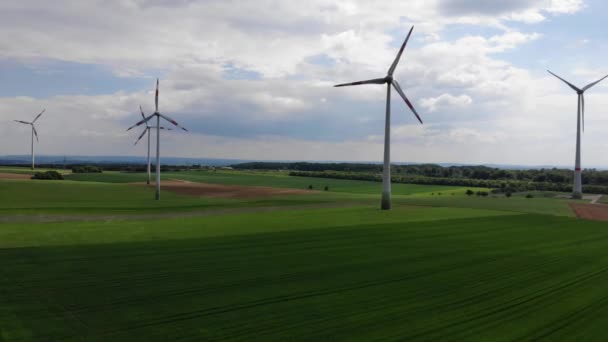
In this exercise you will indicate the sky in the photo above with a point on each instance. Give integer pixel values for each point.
(253, 79)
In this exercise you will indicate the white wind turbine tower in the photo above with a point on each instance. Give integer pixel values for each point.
(34, 133)
(388, 79)
(147, 130)
(158, 115)
(577, 191)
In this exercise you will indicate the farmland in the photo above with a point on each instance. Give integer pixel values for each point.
(93, 257)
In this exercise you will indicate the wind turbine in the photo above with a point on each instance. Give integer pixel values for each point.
(34, 133)
(577, 191)
(388, 80)
(158, 115)
(147, 130)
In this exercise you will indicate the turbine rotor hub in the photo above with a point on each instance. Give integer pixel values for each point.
(388, 79)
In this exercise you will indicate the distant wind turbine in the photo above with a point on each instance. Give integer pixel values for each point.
(147, 130)
(577, 191)
(34, 133)
(388, 79)
(158, 115)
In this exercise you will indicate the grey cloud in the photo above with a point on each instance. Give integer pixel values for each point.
(189, 44)
(484, 7)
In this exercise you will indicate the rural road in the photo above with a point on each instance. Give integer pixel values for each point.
(596, 199)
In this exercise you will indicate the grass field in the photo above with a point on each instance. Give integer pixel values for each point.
(27, 171)
(272, 179)
(325, 266)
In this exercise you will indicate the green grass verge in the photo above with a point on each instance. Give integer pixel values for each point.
(547, 206)
(357, 274)
(235, 223)
(109, 177)
(67, 197)
(28, 171)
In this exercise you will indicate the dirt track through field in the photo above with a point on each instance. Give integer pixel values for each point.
(14, 176)
(226, 191)
(596, 199)
(596, 212)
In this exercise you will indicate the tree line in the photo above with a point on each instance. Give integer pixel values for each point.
(506, 186)
(553, 175)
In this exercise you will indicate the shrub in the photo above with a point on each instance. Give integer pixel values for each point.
(86, 169)
(48, 175)
(529, 196)
(470, 192)
(326, 188)
(310, 187)
(508, 194)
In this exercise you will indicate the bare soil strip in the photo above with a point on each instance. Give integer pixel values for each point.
(43, 218)
(14, 176)
(596, 212)
(226, 191)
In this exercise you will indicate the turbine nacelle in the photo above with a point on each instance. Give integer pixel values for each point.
(32, 123)
(580, 92)
(389, 78)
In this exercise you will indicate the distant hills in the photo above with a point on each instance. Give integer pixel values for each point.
(70, 160)
(136, 160)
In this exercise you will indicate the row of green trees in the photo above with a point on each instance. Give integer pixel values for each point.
(86, 169)
(554, 175)
(48, 175)
(499, 185)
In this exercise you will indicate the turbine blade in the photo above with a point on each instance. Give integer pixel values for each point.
(172, 121)
(23, 122)
(141, 122)
(583, 110)
(39, 115)
(568, 83)
(409, 104)
(156, 96)
(35, 133)
(143, 115)
(141, 136)
(374, 81)
(594, 83)
(396, 61)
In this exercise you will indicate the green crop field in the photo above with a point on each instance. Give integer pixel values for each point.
(94, 258)
(273, 179)
(27, 171)
(110, 177)
(68, 197)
